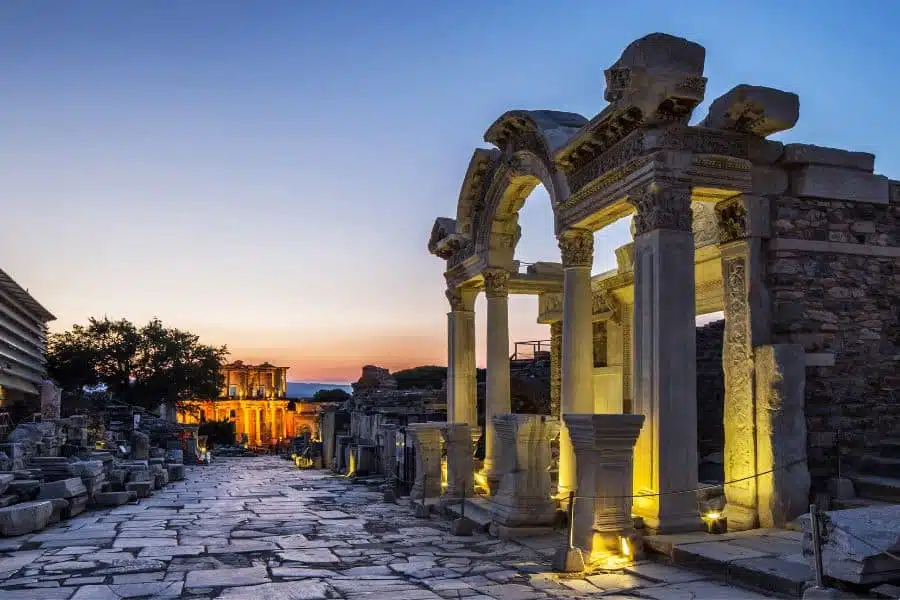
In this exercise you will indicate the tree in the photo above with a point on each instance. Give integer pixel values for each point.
(137, 366)
(335, 395)
(427, 377)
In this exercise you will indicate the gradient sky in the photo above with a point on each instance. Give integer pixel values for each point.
(265, 173)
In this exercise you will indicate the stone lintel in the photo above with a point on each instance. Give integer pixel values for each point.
(809, 154)
(535, 283)
(839, 183)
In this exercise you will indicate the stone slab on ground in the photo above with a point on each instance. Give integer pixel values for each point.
(853, 549)
(64, 488)
(143, 489)
(111, 498)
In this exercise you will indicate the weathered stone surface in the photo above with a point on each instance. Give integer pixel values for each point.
(289, 590)
(26, 517)
(809, 154)
(5, 480)
(427, 443)
(853, 549)
(64, 488)
(140, 445)
(836, 183)
(176, 472)
(143, 489)
(111, 498)
(752, 109)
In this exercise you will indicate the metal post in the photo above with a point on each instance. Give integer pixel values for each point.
(817, 544)
(571, 520)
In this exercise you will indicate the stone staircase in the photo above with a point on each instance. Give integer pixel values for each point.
(878, 476)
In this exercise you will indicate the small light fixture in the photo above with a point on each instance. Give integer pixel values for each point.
(716, 522)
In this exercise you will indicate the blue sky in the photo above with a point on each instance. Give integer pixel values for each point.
(265, 173)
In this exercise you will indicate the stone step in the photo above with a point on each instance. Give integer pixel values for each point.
(886, 489)
(882, 466)
(476, 511)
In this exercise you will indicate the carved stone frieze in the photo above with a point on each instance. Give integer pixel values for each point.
(700, 140)
(732, 220)
(496, 283)
(705, 225)
(737, 363)
(662, 206)
(577, 247)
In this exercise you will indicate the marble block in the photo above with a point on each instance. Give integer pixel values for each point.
(427, 444)
(523, 498)
(604, 464)
(458, 442)
(26, 517)
(64, 488)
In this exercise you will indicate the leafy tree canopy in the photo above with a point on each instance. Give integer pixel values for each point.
(335, 395)
(141, 366)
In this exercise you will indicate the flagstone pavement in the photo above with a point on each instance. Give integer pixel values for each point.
(258, 528)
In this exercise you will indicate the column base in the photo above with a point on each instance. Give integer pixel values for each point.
(741, 518)
(506, 532)
(679, 524)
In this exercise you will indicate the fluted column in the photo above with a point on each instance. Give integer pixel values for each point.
(496, 287)
(577, 390)
(665, 366)
(462, 403)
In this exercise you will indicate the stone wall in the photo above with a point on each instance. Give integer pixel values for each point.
(710, 389)
(843, 309)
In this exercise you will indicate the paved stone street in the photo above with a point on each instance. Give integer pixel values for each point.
(259, 528)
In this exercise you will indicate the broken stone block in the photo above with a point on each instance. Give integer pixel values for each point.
(5, 480)
(27, 489)
(86, 468)
(853, 549)
(175, 455)
(176, 472)
(117, 479)
(143, 489)
(112, 498)
(161, 479)
(77, 505)
(752, 109)
(64, 488)
(8, 500)
(60, 507)
(26, 517)
(140, 445)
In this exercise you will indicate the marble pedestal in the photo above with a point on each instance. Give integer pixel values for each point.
(427, 445)
(389, 453)
(458, 442)
(604, 459)
(523, 499)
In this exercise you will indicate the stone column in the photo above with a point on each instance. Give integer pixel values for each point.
(523, 500)
(389, 453)
(665, 358)
(497, 402)
(555, 367)
(258, 437)
(458, 442)
(577, 390)
(462, 403)
(604, 456)
(427, 444)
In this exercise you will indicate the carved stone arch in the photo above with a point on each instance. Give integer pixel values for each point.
(527, 141)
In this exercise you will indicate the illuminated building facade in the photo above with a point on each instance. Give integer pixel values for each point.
(255, 398)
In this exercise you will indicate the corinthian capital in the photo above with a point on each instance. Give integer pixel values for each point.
(461, 299)
(577, 247)
(662, 206)
(496, 283)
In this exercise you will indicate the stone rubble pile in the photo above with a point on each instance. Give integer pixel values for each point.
(49, 471)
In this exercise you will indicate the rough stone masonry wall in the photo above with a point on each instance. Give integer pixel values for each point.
(845, 305)
(710, 389)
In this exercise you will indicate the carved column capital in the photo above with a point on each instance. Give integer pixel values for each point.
(662, 206)
(577, 247)
(496, 283)
(461, 299)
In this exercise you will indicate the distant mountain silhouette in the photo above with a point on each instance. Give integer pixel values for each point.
(303, 389)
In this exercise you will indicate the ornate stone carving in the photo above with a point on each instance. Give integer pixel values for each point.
(555, 367)
(662, 206)
(461, 299)
(732, 220)
(740, 428)
(496, 283)
(577, 247)
(705, 226)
